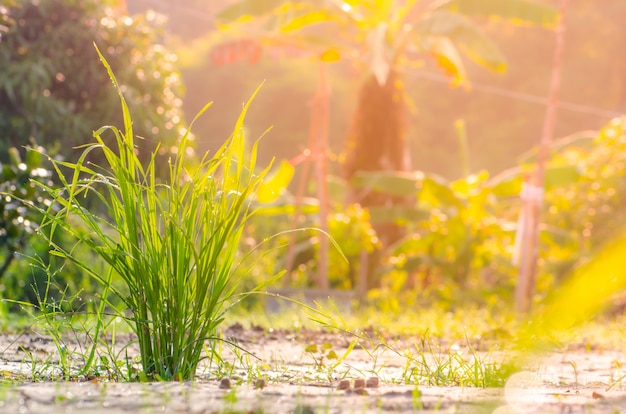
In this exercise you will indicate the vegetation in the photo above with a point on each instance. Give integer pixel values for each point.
(17, 222)
(54, 93)
(382, 39)
(173, 244)
(168, 245)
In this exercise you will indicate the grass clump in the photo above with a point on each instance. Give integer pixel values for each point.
(173, 244)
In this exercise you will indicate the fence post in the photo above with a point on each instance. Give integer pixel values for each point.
(531, 207)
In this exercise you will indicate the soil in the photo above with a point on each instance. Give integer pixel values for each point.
(278, 375)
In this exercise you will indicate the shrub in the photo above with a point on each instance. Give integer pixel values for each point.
(53, 90)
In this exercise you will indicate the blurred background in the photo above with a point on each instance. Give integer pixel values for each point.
(470, 111)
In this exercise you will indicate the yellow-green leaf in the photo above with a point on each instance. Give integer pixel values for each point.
(330, 55)
(307, 19)
(273, 185)
(525, 12)
(243, 8)
(464, 35)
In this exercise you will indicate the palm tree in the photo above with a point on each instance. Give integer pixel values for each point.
(384, 38)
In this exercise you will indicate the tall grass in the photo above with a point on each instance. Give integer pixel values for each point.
(172, 243)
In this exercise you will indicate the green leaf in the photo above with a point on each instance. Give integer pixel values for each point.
(436, 192)
(307, 19)
(275, 184)
(561, 176)
(251, 8)
(465, 35)
(330, 55)
(506, 184)
(516, 11)
(388, 182)
(448, 58)
(509, 182)
(311, 348)
(14, 156)
(286, 209)
(33, 158)
(397, 214)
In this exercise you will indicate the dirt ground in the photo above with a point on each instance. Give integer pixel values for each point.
(280, 376)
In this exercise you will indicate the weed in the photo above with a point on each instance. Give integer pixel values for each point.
(575, 368)
(321, 353)
(173, 244)
(439, 367)
(416, 395)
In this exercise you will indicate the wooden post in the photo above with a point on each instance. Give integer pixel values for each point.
(532, 200)
(321, 157)
(318, 152)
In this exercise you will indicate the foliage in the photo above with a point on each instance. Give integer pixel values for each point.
(351, 228)
(457, 235)
(172, 244)
(589, 210)
(461, 233)
(53, 91)
(17, 222)
(383, 39)
(503, 114)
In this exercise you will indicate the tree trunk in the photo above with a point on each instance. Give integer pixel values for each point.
(377, 142)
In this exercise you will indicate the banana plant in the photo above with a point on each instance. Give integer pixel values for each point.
(384, 39)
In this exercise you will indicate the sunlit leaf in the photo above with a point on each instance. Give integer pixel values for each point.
(467, 185)
(506, 184)
(274, 184)
(516, 11)
(389, 182)
(330, 55)
(250, 8)
(397, 214)
(436, 192)
(509, 182)
(582, 139)
(465, 35)
(561, 176)
(287, 209)
(307, 19)
(588, 291)
(447, 58)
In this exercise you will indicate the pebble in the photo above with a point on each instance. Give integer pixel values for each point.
(225, 383)
(372, 382)
(344, 384)
(359, 383)
(260, 383)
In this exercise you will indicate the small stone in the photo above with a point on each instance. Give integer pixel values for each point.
(225, 383)
(359, 383)
(344, 384)
(372, 382)
(260, 383)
